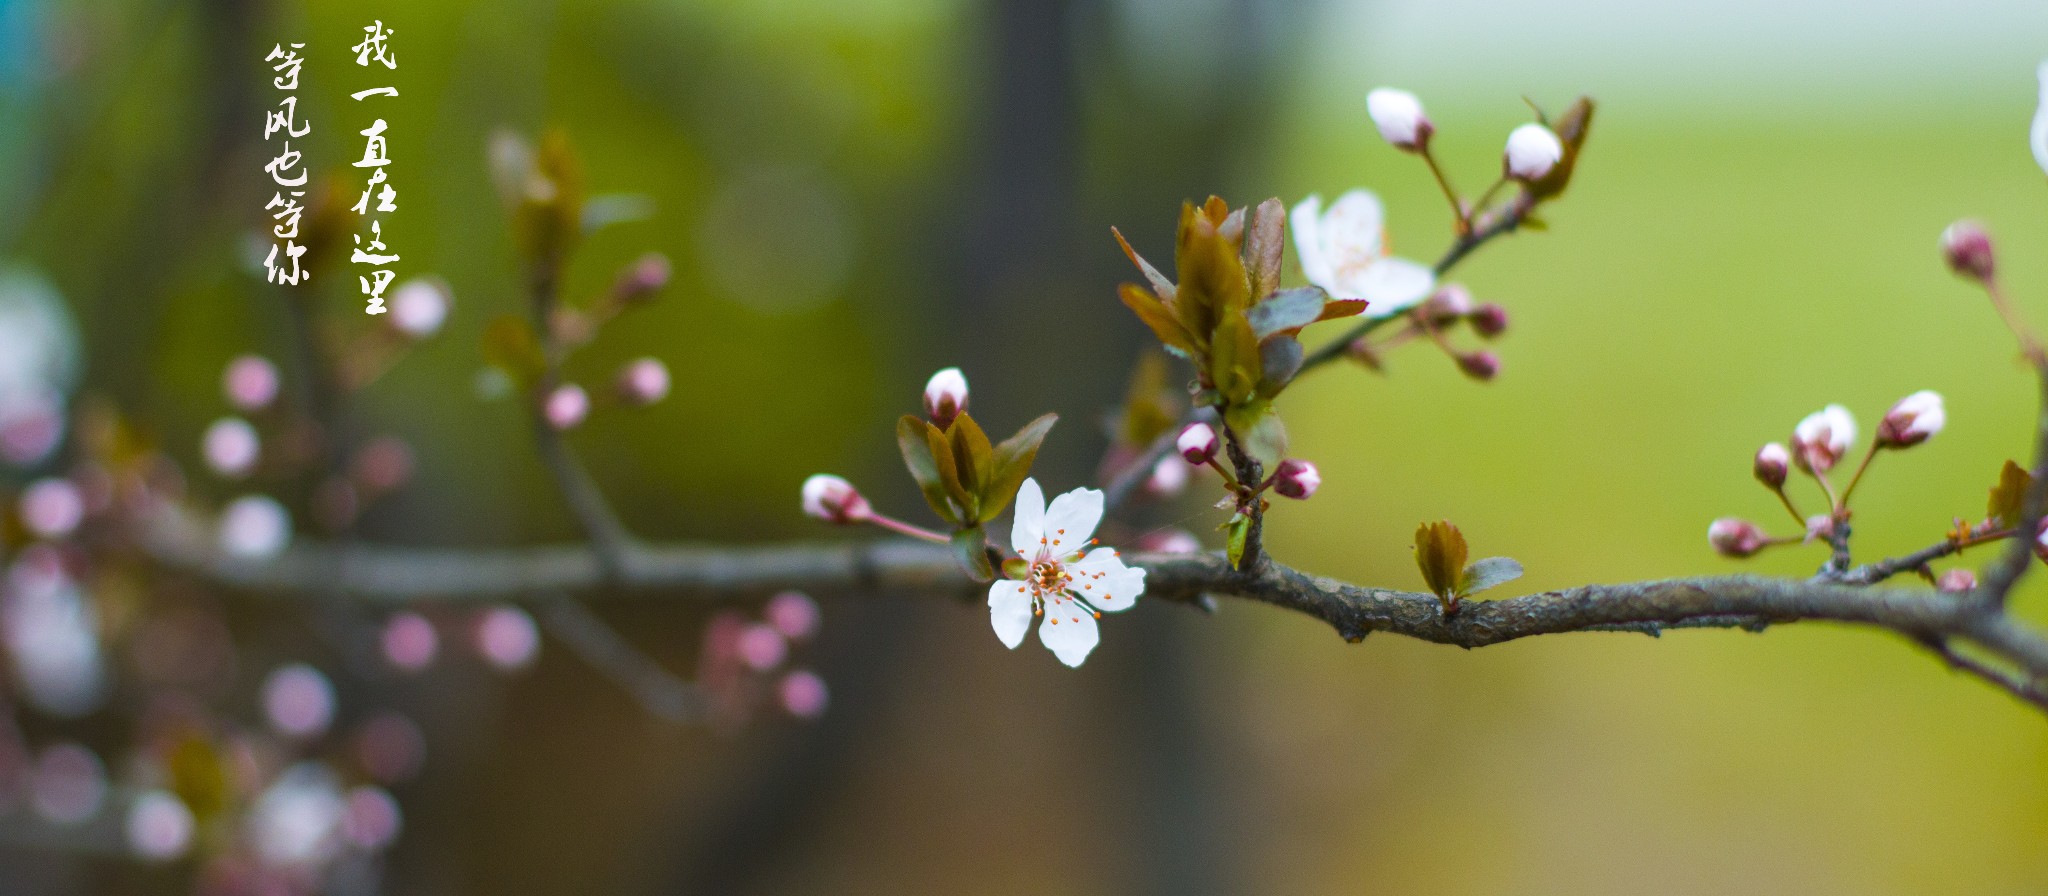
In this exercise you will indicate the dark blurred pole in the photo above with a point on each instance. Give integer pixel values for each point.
(1022, 254)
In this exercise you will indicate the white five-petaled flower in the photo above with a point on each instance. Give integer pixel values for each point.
(1062, 580)
(1344, 251)
(2040, 130)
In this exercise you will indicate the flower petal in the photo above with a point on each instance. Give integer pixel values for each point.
(1307, 221)
(1009, 610)
(2040, 131)
(1102, 579)
(1071, 521)
(1069, 630)
(1394, 285)
(1353, 234)
(1029, 525)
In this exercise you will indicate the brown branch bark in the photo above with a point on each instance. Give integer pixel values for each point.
(730, 573)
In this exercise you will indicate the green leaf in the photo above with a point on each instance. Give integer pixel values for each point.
(1234, 365)
(1440, 554)
(1571, 129)
(949, 473)
(1287, 311)
(1279, 360)
(972, 453)
(1160, 317)
(1484, 574)
(970, 548)
(1266, 440)
(2009, 497)
(1212, 287)
(1013, 458)
(1265, 246)
(924, 466)
(1336, 308)
(1240, 528)
(1160, 285)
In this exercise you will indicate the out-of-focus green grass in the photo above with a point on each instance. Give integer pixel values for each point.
(1705, 284)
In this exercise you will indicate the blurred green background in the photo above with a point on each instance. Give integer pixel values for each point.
(857, 193)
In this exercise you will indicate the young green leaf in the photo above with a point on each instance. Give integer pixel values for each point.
(1287, 311)
(924, 466)
(1160, 317)
(2009, 497)
(1239, 528)
(1012, 463)
(1265, 246)
(949, 473)
(970, 548)
(972, 453)
(1440, 554)
(1160, 285)
(1280, 359)
(1484, 574)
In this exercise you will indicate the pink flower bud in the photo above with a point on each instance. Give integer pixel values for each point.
(1531, 152)
(1197, 443)
(644, 382)
(945, 396)
(1915, 419)
(1733, 537)
(370, 818)
(646, 277)
(1967, 249)
(1447, 304)
(1957, 581)
(159, 826)
(1771, 461)
(1822, 438)
(1819, 527)
(803, 694)
(231, 447)
(250, 383)
(834, 500)
(2041, 541)
(419, 306)
(567, 406)
(1480, 365)
(1398, 115)
(1489, 320)
(52, 507)
(794, 614)
(1297, 479)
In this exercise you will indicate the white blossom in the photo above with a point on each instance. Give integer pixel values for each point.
(1531, 152)
(1344, 251)
(1820, 440)
(1061, 578)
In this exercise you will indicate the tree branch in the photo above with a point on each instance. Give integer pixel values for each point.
(727, 573)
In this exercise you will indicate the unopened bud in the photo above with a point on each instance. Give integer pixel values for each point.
(52, 507)
(643, 279)
(1915, 419)
(1297, 479)
(1771, 462)
(644, 382)
(2041, 541)
(1489, 320)
(1957, 581)
(1531, 152)
(1822, 438)
(231, 447)
(567, 406)
(1197, 443)
(1732, 537)
(1398, 115)
(1447, 304)
(945, 396)
(834, 500)
(1480, 365)
(1967, 248)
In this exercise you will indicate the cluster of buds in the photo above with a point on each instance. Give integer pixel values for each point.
(1820, 442)
(1533, 150)
(1291, 478)
(746, 663)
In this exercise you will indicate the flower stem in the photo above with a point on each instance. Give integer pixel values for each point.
(1868, 456)
(2029, 343)
(1786, 500)
(902, 528)
(1463, 215)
